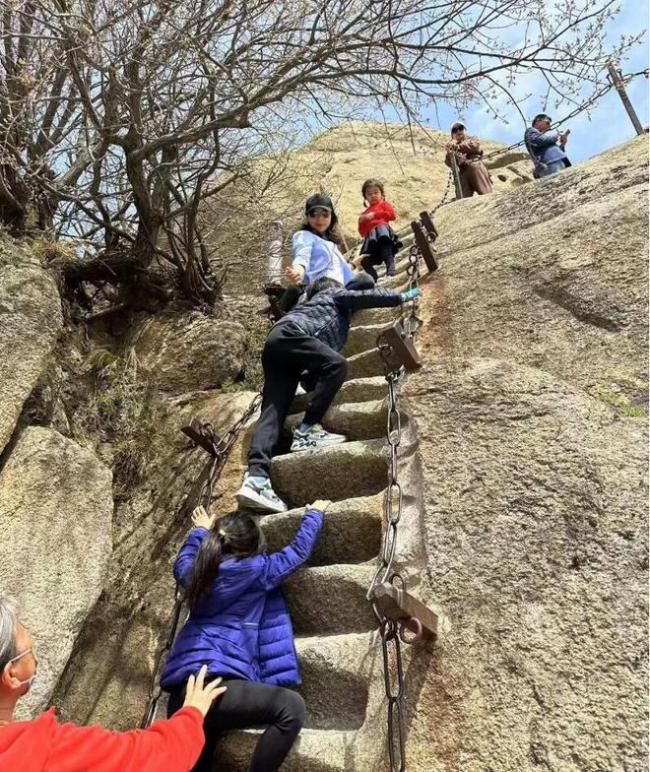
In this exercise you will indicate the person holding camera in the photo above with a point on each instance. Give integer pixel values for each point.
(546, 147)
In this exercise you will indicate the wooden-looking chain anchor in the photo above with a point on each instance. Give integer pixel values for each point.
(424, 239)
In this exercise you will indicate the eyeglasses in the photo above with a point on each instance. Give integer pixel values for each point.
(319, 212)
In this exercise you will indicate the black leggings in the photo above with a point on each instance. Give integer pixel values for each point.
(245, 705)
(383, 252)
(287, 354)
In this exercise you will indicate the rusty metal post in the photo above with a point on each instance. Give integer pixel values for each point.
(455, 171)
(616, 77)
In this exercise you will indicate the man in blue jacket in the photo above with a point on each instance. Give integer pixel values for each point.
(309, 338)
(546, 147)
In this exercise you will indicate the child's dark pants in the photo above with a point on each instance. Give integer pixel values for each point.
(287, 353)
(248, 704)
(382, 253)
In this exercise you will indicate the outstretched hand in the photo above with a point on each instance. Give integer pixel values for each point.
(202, 519)
(321, 504)
(200, 695)
(294, 274)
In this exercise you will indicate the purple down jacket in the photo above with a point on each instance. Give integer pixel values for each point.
(242, 628)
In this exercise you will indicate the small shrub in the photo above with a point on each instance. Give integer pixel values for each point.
(130, 414)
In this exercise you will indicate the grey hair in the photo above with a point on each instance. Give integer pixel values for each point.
(8, 623)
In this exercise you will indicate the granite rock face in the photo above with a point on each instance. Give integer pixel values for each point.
(535, 499)
(531, 414)
(523, 471)
(191, 352)
(30, 322)
(56, 508)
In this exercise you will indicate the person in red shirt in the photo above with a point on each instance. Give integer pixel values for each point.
(44, 745)
(380, 244)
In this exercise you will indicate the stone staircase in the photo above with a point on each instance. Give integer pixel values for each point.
(337, 637)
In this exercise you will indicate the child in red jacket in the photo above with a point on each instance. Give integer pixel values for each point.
(380, 244)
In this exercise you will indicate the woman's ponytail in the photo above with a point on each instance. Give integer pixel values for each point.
(205, 567)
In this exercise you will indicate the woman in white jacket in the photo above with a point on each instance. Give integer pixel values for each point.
(316, 253)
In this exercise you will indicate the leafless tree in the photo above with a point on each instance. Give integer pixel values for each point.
(119, 118)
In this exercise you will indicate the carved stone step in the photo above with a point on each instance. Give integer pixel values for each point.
(365, 365)
(314, 751)
(376, 316)
(331, 599)
(358, 390)
(357, 420)
(363, 337)
(336, 473)
(336, 670)
(351, 532)
(400, 282)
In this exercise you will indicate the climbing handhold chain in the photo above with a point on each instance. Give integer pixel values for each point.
(402, 618)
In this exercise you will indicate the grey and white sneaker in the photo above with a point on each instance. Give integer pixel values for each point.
(315, 437)
(258, 496)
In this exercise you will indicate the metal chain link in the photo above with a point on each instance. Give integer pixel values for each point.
(221, 450)
(445, 195)
(390, 630)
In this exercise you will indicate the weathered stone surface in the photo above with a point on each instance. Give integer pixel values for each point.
(535, 498)
(361, 390)
(523, 510)
(553, 276)
(331, 599)
(30, 321)
(190, 352)
(314, 751)
(357, 421)
(55, 515)
(300, 478)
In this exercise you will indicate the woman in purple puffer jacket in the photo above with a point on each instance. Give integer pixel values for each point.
(239, 626)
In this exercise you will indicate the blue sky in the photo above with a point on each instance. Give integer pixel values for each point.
(606, 124)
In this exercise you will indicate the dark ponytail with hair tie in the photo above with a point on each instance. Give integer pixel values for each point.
(235, 535)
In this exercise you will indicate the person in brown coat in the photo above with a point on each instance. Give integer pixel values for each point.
(474, 177)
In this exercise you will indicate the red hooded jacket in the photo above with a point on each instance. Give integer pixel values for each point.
(44, 745)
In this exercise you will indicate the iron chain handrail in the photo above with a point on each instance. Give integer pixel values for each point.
(221, 450)
(390, 630)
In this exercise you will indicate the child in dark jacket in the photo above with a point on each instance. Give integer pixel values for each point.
(380, 244)
(239, 626)
(309, 338)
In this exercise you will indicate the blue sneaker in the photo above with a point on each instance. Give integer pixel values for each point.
(315, 437)
(259, 496)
